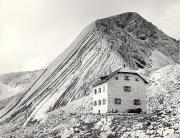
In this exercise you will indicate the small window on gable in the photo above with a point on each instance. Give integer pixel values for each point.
(117, 101)
(95, 103)
(104, 101)
(136, 79)
(127, 88)
(126, 78)
(99, 90)
(137, 102)
(99, 102)
(95, 91)
(116, 78)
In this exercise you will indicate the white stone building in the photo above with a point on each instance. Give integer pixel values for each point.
(119, 92)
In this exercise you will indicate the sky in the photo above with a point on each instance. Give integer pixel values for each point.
(34, 32)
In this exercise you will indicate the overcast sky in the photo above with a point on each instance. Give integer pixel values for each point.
(34, 32)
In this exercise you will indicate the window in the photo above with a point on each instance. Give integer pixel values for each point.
(127, 88)
(95, 103)
(137, 102)
(95, 91)
(126, 78)
(103, 88)
(99, 90)
(104, 101)
(99, 102)
(117, 101)
(136, 79)
(116, 78)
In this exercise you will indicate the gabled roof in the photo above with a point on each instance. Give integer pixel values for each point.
(123, 71)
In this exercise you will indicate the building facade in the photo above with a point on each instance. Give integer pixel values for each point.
(119, 92)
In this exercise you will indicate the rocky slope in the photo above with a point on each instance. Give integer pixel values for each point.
(125, 40)
(162, 123)
(164, 89)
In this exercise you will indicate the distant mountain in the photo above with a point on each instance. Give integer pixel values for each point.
(14, 83)
(125, 40)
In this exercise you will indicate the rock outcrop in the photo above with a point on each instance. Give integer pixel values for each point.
(125, 40)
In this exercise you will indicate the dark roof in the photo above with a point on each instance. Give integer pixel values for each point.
(105, 78)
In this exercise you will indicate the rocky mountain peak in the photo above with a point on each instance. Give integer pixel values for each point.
(130, 22)
(135, 38)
